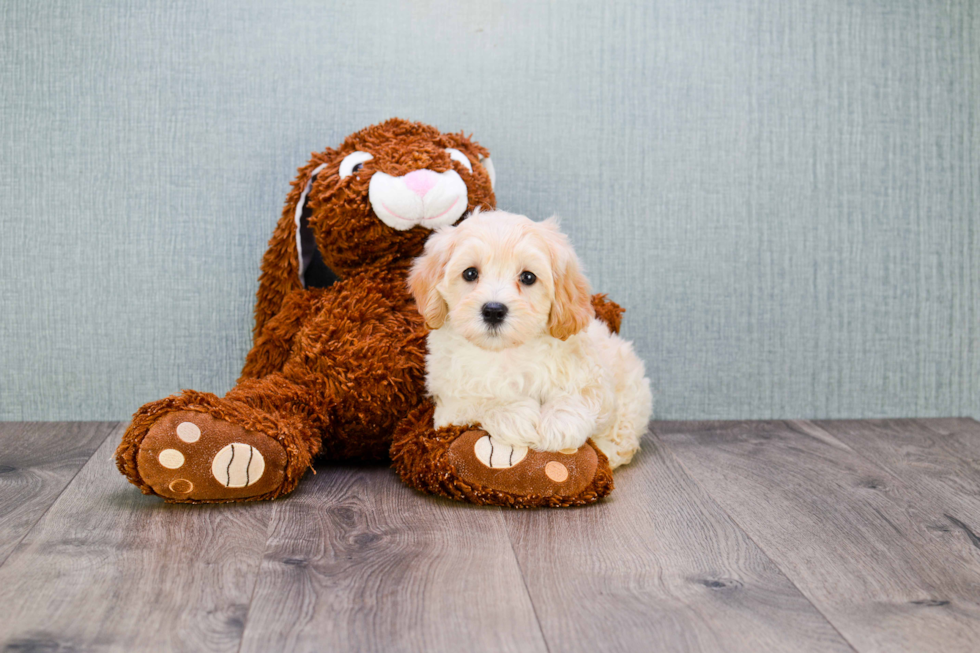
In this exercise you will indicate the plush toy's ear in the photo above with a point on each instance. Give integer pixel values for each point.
(427, 271)
(572, 309)
(292, 249)
(487, 164)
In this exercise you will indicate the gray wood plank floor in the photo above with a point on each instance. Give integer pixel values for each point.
(357, 561)
(853, 537)
(720, 536)
(37, 461)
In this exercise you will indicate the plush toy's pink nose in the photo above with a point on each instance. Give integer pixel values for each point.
(421, 182)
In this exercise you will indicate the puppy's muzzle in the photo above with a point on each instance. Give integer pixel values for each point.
(493, 313)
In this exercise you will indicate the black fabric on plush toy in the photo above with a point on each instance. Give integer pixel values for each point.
(314, 273)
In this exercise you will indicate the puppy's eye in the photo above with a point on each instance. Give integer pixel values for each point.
(528, 278)
(352, 163)
(470, 274)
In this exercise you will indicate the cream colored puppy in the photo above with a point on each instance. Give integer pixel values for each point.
(515, 345)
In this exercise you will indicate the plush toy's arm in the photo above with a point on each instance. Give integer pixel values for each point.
(275, 341)
(608, 311)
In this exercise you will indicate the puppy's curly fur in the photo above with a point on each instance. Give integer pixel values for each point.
(517, 347)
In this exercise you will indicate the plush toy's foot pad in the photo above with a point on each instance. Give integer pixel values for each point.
(481, 460)
(191, 456)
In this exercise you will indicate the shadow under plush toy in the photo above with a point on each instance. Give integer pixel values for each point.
(339, 371)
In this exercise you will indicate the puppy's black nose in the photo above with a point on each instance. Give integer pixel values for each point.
(494, 313)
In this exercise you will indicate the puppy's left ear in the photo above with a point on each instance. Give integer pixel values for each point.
(427, 271)
(572, 309)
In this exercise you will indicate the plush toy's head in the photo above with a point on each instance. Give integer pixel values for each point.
(371, 202)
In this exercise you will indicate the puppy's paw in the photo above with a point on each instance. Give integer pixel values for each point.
(518, 438)
(562, 429)
(556, 440)
(515, 425)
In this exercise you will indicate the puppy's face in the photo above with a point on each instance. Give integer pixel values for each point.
(500, 279)
(498, 288)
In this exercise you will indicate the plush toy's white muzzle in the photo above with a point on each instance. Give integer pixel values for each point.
(423, 197)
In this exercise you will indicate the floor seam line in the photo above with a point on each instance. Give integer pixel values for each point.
(258, 573)
(527, 590)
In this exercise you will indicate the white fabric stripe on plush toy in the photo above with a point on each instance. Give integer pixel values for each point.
(487, 164)
(299, 219)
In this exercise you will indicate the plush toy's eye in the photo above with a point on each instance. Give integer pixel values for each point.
(456, 155)
(470, 274)
(528, 278)
(353, 162)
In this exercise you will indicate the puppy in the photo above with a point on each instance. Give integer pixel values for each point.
(515, 346)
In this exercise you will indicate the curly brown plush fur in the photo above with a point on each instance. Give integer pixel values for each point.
(338, 371)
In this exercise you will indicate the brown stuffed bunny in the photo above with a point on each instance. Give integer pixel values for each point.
(339, 371)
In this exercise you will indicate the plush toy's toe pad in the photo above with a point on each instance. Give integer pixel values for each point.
(191, 456)
(479, 459)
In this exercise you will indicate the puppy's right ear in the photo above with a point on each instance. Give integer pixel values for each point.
(427, 272)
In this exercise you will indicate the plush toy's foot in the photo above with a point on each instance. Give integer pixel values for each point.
(468, 465)
(197, 448)
(482, 461)
(192, 456)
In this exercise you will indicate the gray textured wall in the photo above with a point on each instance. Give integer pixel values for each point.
(783, 193)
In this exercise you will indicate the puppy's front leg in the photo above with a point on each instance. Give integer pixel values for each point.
(566, 423)
(515, 422)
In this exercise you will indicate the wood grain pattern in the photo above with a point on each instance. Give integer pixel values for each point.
(937, 458)
(659, 567)
(357, 561)
(37, 461)
(109, 568)
(859, 542)
(736, 536)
